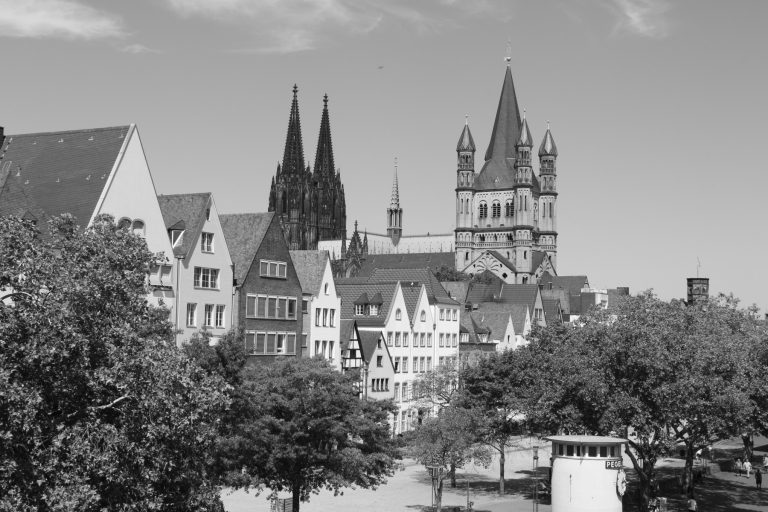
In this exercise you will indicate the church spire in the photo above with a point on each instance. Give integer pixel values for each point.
(394, 203)
(395, 213)
(525, 138)
(293, 157)
(548, 147)
(324, 163)
(466, 142)
(506, 127)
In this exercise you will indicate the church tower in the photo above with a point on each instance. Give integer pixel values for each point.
(395, 213)
(465, 180)
(525, 204)
(548, 198)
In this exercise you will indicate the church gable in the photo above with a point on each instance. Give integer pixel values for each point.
(495, 263)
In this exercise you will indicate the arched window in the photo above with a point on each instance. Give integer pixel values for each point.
(483, 211)
(423, 316)
(526, 203)
(398, 314)
(550, 209)
(285, 204)
(535, 211)
(124, 223)
(138, 227)
(496, 209)
(509, 208)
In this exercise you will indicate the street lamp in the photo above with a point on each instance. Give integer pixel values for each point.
(535, 479)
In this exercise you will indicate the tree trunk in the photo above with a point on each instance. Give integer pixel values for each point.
(749, 446)
(453, 475)
(502, 456)
(439, 495)
(296, 491)
(647, 475)
(688, 482)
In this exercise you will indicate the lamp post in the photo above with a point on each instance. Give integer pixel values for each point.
(535, 479)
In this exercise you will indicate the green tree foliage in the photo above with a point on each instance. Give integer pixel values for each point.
(446, 442)
(500, 392)
(662, 373)
(308, 430)
(98, 409)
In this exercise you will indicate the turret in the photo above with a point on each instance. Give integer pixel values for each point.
(395, 213)
(524, 202)
(465, 177)
(548, 197)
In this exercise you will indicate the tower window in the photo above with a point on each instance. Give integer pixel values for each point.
(509, 209)
(483, 211)
(496, 209)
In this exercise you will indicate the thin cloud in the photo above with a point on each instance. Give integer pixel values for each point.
(66, 19)
(137, 48)
(642, 17)
(286, 26)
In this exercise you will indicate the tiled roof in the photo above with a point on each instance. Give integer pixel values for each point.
(345, 333)
(504, 260)
(244, 233)
(536, 258)
(368, 341)
(456, 289)
(435, 290)
(497, 172)
(573, 284)
(494, 321)
(559, 294)
(186, 208)
(482, 292)
(350, 293)
(310, 267)
(517, 311)
(58, 172)
(524, 294)
(519, 314)
(431, 260)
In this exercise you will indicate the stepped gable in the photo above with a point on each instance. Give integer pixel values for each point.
(59, 172)
(189, 209)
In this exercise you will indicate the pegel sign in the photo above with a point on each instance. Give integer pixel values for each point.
(613, 464)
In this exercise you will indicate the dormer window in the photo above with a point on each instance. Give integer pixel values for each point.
(373, 309)
(359, 309)
(176, 237)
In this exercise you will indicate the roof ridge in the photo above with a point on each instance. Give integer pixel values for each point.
(63, 132)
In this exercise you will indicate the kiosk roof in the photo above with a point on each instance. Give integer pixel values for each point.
(586, 439)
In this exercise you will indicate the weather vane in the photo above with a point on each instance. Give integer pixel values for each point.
(508, 58)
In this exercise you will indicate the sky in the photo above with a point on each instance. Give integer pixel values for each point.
(658, 109)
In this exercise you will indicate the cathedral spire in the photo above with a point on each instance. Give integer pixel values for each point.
(525, 138)
(395, 213)
(466, 142)
(293, 157)
(548, 147)
(324, 163)
(506, 127)
(394, 203)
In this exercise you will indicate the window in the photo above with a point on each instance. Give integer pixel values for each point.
(397, 365)
(325, 317)
(272, 268)
(267, 306)
(397, 339)
(305, 306)
(379, 361)
(496, 209)
(509, 209)
(389, 338)
(325, 288)
(220, 315)
(441, 361)
(138, 228)
(317, 317)
(442, 314)
(405, 365)
(441, 342)
(423, 316)
(270, 343)
(483, 213)
(206, 242)
(421, 364)
(569, 450)
(398, 314)
(359, 309)
(429, 339)
(191, 314)
(405, 339)
(415, 365)
(592, 451)
(455, 338)
(208, 315)
(429, 363)
(331, 317)
(397, 392)
(176, 236)
(603, 451)
(378, 343)
(206, 278)
(373, 310)
(455, 314)
(405, 399)
(422, 340)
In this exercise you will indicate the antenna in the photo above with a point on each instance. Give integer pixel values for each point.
(698, 266)
(508, 58)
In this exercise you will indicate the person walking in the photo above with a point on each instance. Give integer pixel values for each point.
(692, 506)
(747, 467)
(758, 479)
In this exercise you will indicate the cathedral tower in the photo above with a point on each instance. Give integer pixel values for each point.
(548, 198)
(465, 180)
(525, 204)
(395, 213)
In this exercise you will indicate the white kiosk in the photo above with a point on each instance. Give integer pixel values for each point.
(587, 473)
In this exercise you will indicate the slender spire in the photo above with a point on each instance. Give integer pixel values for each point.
(395, 202)
(548, 147)
(293, 157)
(506, 127)
(525, 138)
(466, 142)
(324, 163)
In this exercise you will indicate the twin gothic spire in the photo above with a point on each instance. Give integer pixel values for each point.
(293, 156)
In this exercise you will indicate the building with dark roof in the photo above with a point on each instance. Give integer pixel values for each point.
(366, 353)
(267, 289)
(310, 205)
(507, 207)
(204, 278)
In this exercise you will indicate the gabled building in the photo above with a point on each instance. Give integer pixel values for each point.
(366, 353)
(204, 298)
(320, 306)
(267, 289)
(87, 173)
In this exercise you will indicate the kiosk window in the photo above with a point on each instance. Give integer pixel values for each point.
(559, 449)
(603, 451)
(578, 451)
(612, 452)
(593, 451)
(569, 450)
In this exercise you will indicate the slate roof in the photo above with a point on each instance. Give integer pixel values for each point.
(424, 276)
(516, 311)
(497, 171)
(482, 292)
(537, 257)
(551, 309)
(504, 260)
(494, 321)
(466, 142)
(559, 294)
(573, 284)
(345, 333)
(189, 209)
(244, 233)
(524, 294)
(431, 260)
(456, 289)
(58, 172)
(519, 314)
(548, 147)
(350, 292)
(368, 341)
(310, 267)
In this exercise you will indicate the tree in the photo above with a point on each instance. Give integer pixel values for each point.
(98, 409)
(447, 442)
(661, 373)
(498, 391)
(311, 431)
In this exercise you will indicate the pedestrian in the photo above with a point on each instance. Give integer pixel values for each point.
(758, 479)
(747, 467)
(737, 469)
(692, 506)
(765, 461)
